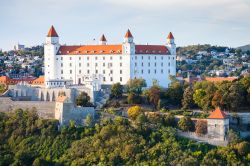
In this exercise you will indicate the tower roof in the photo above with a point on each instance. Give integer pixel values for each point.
(128, 34)
(170, 36)
(217, 114)
(103, 38)
(52, 32)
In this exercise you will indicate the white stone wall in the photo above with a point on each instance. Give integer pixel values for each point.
(217, 128)
(153, 67)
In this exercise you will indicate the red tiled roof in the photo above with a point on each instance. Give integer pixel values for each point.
(90, 49)
(220, 79)
(217, 114)
(38, 81)
(103, 38)
(52, 32)
(128, 34)
(151, 49)
(170, 36)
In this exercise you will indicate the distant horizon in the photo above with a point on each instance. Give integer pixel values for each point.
(217, 22)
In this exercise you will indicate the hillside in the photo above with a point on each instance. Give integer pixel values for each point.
(245, 48)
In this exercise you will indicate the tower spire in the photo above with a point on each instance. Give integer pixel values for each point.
(103, 40)
(52, 32)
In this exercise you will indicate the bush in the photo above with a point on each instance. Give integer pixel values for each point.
(169, 120)
(116, 90)
(134, 99)
(186, 124)
(243, 148)
(134, 111)
(201, 127)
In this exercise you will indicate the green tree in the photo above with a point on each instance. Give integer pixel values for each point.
(187, 101)
(83, 100)
(186, 124)
(201, 127)
(135, 86)
(153, 94)
(89, 120)
(116, 90)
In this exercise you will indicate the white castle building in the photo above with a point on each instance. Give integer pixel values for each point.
(106, 64)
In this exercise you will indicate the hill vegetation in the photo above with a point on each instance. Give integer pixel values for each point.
(26, 139)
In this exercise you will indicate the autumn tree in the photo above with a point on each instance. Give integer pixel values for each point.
(153, 94)
(201, 127)
(134, 111)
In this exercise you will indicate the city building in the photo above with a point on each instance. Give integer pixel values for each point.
(106, 64)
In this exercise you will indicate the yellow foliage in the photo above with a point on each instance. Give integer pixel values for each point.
(134, 111)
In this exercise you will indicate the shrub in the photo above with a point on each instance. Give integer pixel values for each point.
(201, 127)
(134, 111)
(186, 124)
(243, 148)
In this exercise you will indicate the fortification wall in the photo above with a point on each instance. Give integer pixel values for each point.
(44, 109)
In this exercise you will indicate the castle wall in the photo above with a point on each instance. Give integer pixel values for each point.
(44, 109)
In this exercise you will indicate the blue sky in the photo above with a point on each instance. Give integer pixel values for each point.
(217, 22)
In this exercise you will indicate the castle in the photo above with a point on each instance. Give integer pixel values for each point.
(106, 64)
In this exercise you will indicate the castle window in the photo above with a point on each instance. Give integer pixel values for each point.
(161, 70)
(155, 71)
(120, 57)
(148, 71)
(155, 64)
(87, 64)
(70, 64)
(142, 64)
(120, 64)
(103, 71)
(148, 64)
(61, 64)
(169, 58)
(96, 71)
(70, 71)
(67, 52)
(142, 71)
(111, 71)
(121, 79)
(173, 58)
(142, 57)
(111, 57)
(103, 58)
(111, 78)
(168, 63)
(61, 71)
(61, 58)
(103, 64)
(148, 57)
(70, 58)
(135, 57)
(80, 71)
(120, 71)
(104, 79)
(161, 57)
(146, 51)
(87, 58)
(161, 64)
(56, 58)
(96, 58)
(79, 58)
(135, 64)
(88, 71)
(96, 64)
(169, 71)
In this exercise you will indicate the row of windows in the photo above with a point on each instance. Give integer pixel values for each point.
(149, 71)
(155, 64)
(111, 71)
(96, 64)
(111, 79)
(88, 71)
(155, 57)
(96, 58)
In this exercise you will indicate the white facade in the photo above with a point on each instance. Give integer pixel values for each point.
(108, 63)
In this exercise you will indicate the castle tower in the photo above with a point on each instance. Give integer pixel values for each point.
(63, 108)
(218, 125)
(103, 40)
(128, 44)
(51, 48)
(171, 44)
